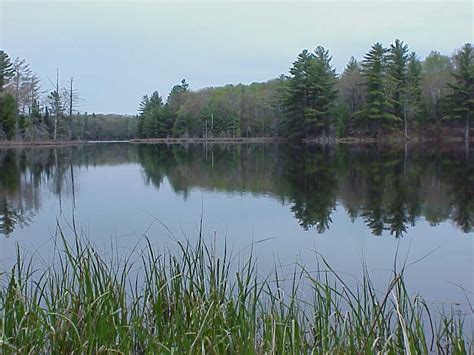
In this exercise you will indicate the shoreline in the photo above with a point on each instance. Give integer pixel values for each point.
(241, 140)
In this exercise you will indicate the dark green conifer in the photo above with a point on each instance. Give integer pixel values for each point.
(461, 100)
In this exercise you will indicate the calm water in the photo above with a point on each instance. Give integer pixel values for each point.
(350, 204)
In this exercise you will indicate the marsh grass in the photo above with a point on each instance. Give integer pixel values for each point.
(197, 300)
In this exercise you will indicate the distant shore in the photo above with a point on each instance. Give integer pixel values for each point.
(210, 140)
(40, 143)
(384, 139)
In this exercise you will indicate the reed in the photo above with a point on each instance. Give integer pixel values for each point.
(198, 300)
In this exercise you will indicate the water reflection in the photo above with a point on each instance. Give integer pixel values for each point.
(388, 188)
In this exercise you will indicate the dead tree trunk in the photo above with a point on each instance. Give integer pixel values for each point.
(57, 103)
(71, 103)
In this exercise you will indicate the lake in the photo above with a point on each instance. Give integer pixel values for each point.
(352, 204)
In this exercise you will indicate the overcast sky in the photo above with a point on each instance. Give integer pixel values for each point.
(119, 51)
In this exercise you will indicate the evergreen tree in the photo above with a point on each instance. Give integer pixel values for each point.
(176, 96)
(297, 94)
(149, 114)
(397, 68)
(155, 120)
(414, 78)
(323, 94)
(376, 113)
(142, 108)
(461, 100)
(310, 94)
(8, 115)
(175, 100)
(6, 70)
(155, 101)
(55, 103)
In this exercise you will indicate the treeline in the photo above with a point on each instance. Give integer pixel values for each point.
(390, 90)
(101, 127)
(29, 113)
(228, 111)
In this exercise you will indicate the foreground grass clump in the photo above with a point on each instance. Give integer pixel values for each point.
(196, 302)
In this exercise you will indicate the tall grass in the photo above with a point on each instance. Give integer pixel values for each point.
(197, 300)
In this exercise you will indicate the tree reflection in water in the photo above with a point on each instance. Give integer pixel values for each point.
(389, 188)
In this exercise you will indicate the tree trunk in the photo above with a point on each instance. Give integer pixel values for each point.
(70, 110)
(405, 119)
(467, 138)
(57, 99)
(17, 102)
(466, 130)
(55, 126)
(437, 115)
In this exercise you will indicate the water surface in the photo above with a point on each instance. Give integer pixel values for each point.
(351, 204)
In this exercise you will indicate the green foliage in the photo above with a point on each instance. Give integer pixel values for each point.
(6, 70)
(100, 127)
(437, 69)
(388, 88)
(8, 114)
(397, 71)
(229, 111)
(414, 91)
(461, 98)
(297, 95)
(351, 87)
(309, 95)
(377, 112)
(351, 96)
(177, 96)
(155, 119)
(197, 300)
(55, 103)
(324, 92)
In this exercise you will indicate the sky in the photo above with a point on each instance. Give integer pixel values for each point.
(119, 51)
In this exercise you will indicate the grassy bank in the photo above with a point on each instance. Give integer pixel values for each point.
(198, 300)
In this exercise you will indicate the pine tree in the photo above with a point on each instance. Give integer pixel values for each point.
(461, 100)
(297, 94)
(376, 113)
(319, 114)
(397, 68)
(55, 103)
(8, 115)
(155, 100)
(414, 78)
(142, 109)
(156, 120)
(309, 95)
(175, 100)
(6, 70)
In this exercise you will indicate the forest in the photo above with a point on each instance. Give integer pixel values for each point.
(391, 91)
(29, 112)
